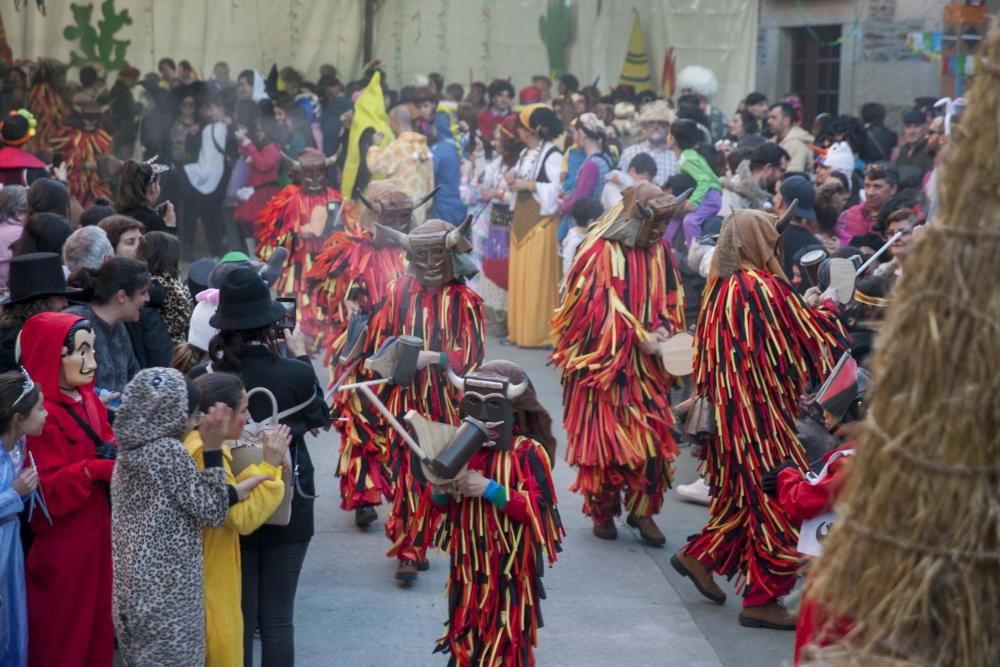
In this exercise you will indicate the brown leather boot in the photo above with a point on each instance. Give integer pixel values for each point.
(606, 530)
(772, 616)
(364, 516)
(648, 530)
(406, 572)
(423, 565)
(700, 576)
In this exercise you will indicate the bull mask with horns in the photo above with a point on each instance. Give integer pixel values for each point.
(437, 250)
(311, 166)
(644, 215)
(389, 205)
(489, 398)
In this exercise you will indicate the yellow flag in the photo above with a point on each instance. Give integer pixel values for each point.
(635, 71)
(369, 111)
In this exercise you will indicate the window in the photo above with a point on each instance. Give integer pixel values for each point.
(816, 69)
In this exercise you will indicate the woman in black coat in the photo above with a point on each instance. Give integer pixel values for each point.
(273, 555)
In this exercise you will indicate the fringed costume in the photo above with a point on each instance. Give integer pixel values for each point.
(494, 585)
(757, 346)
(448, 319)
(499, 537)
(615, 395)
(296, 219)
(49, 107)
(82, 147)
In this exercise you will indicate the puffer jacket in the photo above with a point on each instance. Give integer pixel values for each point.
(161, 503)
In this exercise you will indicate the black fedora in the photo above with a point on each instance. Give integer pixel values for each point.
(34, 275)
(245, 302)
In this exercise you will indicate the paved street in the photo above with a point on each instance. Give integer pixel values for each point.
(609, 603)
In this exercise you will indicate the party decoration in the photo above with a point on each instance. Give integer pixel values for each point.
(98, 46)
(556, 29)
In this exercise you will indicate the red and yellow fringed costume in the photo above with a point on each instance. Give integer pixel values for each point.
(756, 347)
(352, 266)
(50, 109)
(449, 319)
(494, 585)
(82, 148)
(294, 220)
(615, 396)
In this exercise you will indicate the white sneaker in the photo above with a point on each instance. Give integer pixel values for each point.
(695, 492)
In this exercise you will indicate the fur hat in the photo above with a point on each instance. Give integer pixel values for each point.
(699, 80)
(657, 111)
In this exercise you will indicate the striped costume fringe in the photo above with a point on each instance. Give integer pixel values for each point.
(495, 580)
(615, 397)
(350, 267)
(50, 110)
(448, 319)
(277, 225)
(82, 150)
(756, 348)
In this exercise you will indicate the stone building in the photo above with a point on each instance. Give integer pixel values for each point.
(838, 54)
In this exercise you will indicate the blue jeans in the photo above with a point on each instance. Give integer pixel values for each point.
(270, 579)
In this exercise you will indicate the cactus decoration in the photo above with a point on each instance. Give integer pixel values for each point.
(556, 29)
(98, 45)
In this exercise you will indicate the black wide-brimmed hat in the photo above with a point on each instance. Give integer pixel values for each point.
(34, 275)
(245, 302)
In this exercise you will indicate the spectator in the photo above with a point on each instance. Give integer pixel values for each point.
(641, 168)
(914, 160)
(903, 221)
(220, 81)
(162, 254)
(37, 285)
(168, 72)
(162, 502)
(880, 140)
(584, 212)
(87, 247)
(138, 194)
(544, 84)
(447, 161)
(839, 158)
(121, 123)
(501, 96)
(783, 123)
(206, 185)
(589, 134)
(250, 86)
(756, 104)
(655, 119)
(22, 413)
(335, 105)
(19, 167)
(272, 556)
(706, 199)
(48, 196)
(881, 183)
(407, 160)
(114, 295)
(476, 97)
(259, 148)
(756, 178)
(94, 213)
(742, 127)
(43, 232)
(831, 198)
(124, 233)
(701, 82)
(222, 567)
(800, 232)
(13, 213)
(454, 92)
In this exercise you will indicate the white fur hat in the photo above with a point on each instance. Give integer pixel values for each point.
(699, 79)
(200, 332)
(840, 157)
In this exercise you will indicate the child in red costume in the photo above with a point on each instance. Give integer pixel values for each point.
(68, 568)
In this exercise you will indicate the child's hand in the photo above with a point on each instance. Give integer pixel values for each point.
(26, 482)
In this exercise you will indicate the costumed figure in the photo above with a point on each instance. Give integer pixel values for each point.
(534, 251)
(494, 223)
(500, 523)
(18, 166)
(757, 346)
(354, 270)
(299, 218)
(910, 573)
(46, 98)
(83, 142)
(68, 569)
(431, 303)
(623, 297)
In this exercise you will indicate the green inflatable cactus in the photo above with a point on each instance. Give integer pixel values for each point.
(98, 46)
(556, 29)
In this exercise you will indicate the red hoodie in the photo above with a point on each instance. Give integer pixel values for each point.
(68, 569)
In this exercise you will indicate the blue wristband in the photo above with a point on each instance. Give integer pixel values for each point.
(491, 490)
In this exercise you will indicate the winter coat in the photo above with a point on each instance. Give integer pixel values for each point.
(796, 143)
(151, 341)
(292, 381)
(223, 580)
(68, 569)
(162, 501)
